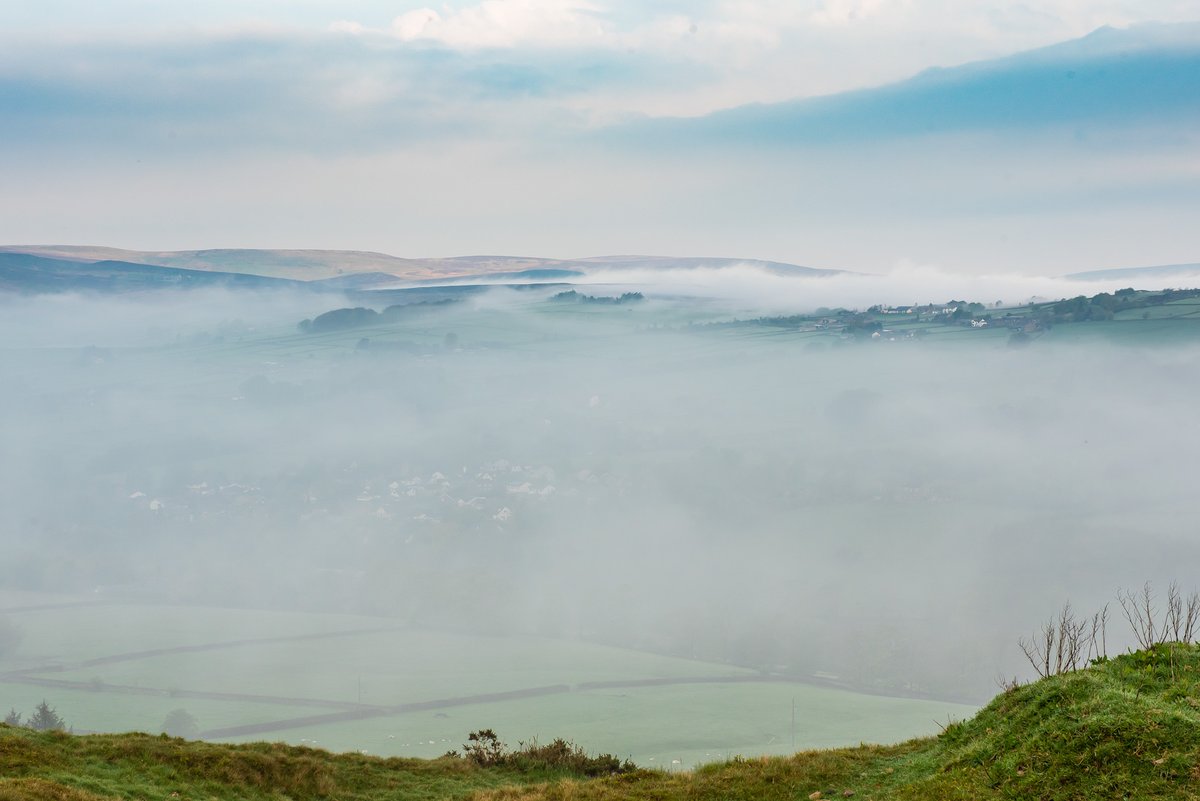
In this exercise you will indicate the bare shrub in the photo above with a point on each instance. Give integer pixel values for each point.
(1007, 685)
(1066, 642)
(1140, 611)
(1182, 614)
(1097, 636)
(1179, 618)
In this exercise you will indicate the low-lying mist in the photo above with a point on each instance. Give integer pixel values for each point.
(895, 515)
(905, 283)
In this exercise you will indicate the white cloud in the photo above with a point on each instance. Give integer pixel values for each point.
(844, 12)
(347, 26)
(761, 51)
(415, 24)
(506, 23)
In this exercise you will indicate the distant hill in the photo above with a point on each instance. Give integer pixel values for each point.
(22, 272)
(1165, 272)
(1125, 728)
(354, 270)
(303, 265)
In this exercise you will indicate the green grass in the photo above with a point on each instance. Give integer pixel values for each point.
(397, 667)
(673, 727)
(1126, 729)
(1129, 728)
(660, 725)
(133, 766)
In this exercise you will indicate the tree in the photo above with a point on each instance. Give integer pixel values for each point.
(45, 718)
(13, 718)
(181, 723)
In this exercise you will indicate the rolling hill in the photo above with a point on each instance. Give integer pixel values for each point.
(1187, 273)
(40, 268)
(56, 268)
(23, 272)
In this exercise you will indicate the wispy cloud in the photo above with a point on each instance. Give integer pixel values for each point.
(311, 93)
(507, 23)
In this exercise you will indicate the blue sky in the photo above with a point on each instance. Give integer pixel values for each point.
(782, 130)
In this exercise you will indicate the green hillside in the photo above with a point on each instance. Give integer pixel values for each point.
(1126, 728)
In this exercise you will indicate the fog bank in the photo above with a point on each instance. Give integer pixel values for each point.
(892, 516)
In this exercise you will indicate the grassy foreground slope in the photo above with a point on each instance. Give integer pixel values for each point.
(61, 766)
(1128, 728)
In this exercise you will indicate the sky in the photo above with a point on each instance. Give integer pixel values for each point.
(792, 131)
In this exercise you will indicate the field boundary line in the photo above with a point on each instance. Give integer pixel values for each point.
(381, 712)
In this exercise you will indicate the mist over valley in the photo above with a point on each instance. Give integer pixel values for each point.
(613, 483)
(528, 400)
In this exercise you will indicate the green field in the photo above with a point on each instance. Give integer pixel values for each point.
(119, 667)
(670, 727)
(1125, 727)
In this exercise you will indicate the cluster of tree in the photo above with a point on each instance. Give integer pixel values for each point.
(359, 316)
(571, 296)
(339, 320)
(964, 311)
(1104, 305)
(44, 718)
(1098, 307)
(1038, 317)
(862, 327)
(178, 723)
(1083, 309)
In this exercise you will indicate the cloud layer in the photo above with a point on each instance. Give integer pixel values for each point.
(538, 127)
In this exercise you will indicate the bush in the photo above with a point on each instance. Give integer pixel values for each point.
(484, 748)
(565, 755)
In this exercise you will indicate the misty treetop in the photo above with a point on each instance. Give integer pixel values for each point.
(43, 718)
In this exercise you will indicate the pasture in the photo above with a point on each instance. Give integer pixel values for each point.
(356, 683)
